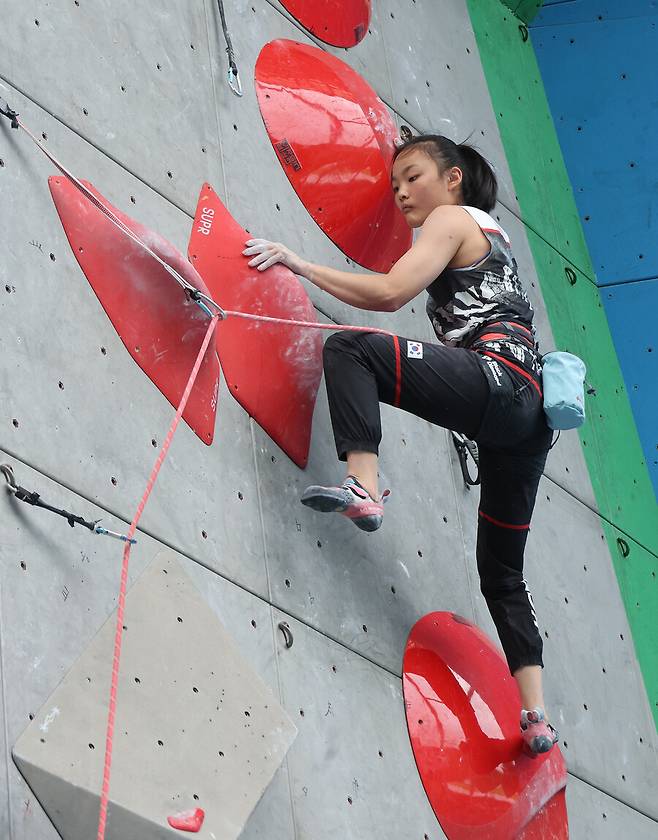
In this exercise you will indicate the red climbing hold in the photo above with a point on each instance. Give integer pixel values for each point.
(188, 820)
(272, 370)
(335, 140)
(160, 326)
(463, 711)
(341, 23)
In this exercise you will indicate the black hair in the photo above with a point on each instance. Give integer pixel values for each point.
(479, 184)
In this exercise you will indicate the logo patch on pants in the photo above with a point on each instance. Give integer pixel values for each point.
(414, 350)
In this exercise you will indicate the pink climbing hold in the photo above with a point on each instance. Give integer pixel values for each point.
(188, 820)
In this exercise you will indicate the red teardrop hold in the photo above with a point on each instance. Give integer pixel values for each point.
(335, 140)
(463, 711)
(272, 370)
(188, 820)
(160, 327)
(341, 23)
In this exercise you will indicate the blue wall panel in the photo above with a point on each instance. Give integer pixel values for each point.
(632, 310)
(578, 11)
(599, 61)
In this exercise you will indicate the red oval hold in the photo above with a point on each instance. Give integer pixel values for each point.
(335, 140)
(463, 711)
(341, 23)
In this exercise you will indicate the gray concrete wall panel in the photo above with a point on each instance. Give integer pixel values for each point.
(59, 586)
(95, 65)
(368, 57)
(252, 168)
(98, 413)
(5, 801)
(438, 81)
(592, 678)
(85, 415)
(595, 816)
(366, 590)
(352, 770)
(196, 727)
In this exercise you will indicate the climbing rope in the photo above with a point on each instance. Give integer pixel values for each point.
(216, 313)
(105, 790)
(33, 498)
(206, 302)
(233, 74)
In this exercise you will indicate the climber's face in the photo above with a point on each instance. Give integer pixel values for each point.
(420, 186)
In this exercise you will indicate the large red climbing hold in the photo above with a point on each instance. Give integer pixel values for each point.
(463, 712)
(161, 328)
(188, 820)
(335, 140)
(272, 370)
(341, 23)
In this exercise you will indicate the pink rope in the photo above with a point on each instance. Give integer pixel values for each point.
(105, 790)
(181, 280)
(102, 818)
(312, 324)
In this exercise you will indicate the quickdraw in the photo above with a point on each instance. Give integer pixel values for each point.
(233, 74)
(33, 498)
(466, 447)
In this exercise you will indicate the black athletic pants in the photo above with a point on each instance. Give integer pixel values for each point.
(487, 401)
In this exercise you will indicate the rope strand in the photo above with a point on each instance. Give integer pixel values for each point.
(105, 790)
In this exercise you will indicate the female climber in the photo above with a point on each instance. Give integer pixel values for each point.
(482, 379)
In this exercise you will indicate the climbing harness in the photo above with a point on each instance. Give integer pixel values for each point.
(33, 498)
(233, 74)
(466, 447)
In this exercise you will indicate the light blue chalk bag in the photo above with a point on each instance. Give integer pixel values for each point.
(564, 398)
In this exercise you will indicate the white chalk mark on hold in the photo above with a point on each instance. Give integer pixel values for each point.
(50, 717)
(404, 568)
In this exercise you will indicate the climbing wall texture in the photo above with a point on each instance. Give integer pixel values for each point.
(134, 98)
(616, 202)
(614, 191)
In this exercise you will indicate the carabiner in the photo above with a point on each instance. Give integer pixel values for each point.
(8, 473)
(234, 80)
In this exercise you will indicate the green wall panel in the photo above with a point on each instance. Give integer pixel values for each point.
(527, 131)
(525, 10)
(637, 573)
(611, 445)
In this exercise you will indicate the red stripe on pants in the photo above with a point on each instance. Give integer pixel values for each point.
(503, 524)
(531, 379)
(398, 372)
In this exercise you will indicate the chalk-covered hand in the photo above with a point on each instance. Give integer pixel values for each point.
(269, 253)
